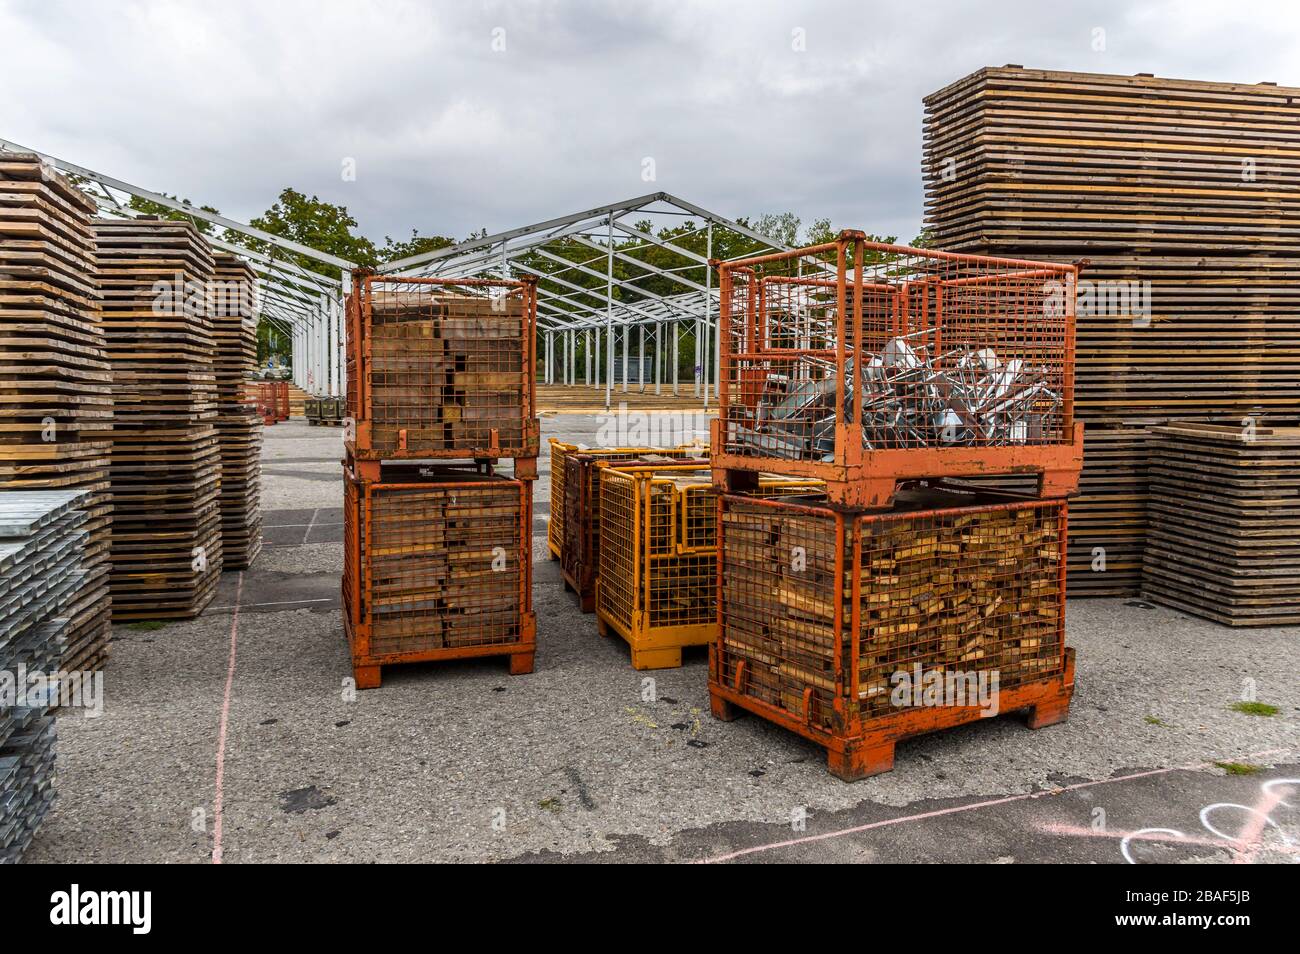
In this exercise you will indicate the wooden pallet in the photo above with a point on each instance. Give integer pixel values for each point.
(239, 427)
(1224, 536)
(56, 390)
(166, 458)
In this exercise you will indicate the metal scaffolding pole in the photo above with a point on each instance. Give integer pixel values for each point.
(659, 358)
(609, 312)
(677, 343)
(717, 321)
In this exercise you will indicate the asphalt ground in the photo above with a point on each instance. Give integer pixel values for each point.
(589, 760)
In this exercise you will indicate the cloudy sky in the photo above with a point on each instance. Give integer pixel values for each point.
(461, 115)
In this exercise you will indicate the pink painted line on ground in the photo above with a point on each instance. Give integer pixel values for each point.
(957, 809)
(225, 720)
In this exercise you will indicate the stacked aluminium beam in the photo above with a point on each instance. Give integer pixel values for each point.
(166, 463)
(239, 427)
(1185, 198)
(43, 538)
(55, 392)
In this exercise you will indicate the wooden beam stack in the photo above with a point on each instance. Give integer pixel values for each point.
(239, 428)
(1224, 540)
(1185, 198)
(55, 388)
(166, 463)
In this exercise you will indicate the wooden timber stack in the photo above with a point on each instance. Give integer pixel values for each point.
(1224, 540)
(166, 462)
(56, 394)
(1184, 197)
(239, 427)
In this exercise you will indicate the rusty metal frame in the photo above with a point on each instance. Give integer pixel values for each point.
(356, 582)
(359, 439)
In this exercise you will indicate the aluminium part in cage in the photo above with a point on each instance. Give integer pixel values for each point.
(864, 364)
(858, 629)
(443, 368)
(657, 580)
(580, 551)
(437, 565)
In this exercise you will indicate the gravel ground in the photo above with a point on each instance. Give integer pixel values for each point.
(588, 758)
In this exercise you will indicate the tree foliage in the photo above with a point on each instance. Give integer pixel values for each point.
(149, 207)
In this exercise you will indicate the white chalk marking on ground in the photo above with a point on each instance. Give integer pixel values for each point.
(307, 533)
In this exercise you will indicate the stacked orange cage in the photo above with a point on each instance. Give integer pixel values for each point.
(438, 545)
(895, 375)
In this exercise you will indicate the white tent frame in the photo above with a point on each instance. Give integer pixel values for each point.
(309, 306)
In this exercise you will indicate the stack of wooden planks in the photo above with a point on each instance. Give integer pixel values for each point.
(447, 370)
(43, 539)
(55, 393)
(1224, 537)
(239, 426)
(166, 463)
(1184, 197)
(946, 583)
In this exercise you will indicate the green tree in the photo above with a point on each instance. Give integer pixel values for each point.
(316, 224)
(149, 207)
(417, 244)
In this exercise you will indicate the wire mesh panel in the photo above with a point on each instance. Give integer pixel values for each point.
(555, 522)
(439, 567)
(967, 593)
(580, 555)
(619, 558)
(833, 621)
(659, 523)
(784, 604)
(447, 368)
(837, 353)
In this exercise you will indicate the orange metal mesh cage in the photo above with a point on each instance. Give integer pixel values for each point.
(442, 367)
(857, 358)
(826, 614)
(437, 568)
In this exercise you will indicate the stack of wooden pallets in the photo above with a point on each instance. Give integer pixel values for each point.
(1184, 197)
(239, 426)
(1224, 537)
(166, 461)
(437, 544)
(43, 539)
(55, 393)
